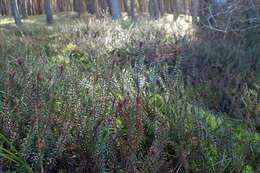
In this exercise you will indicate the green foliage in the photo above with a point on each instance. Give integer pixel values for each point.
(9, 152)
(99, 96)
(248, 169)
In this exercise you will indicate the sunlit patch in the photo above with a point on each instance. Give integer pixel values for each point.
(70, 47)
(62, 60)
(180, 25)
(6, 20)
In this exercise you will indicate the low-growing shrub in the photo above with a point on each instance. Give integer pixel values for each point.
(102, 96)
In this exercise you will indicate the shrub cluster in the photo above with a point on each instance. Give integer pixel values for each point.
(102, 96)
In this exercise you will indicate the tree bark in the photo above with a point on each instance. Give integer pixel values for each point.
(15, 13)
(1, 8)
(175, 8)
(91, 6)
(126, 7)
(59, 6)
(133, 9)
(115, 9)
(195, 8)
(48, 11)
(141, 6)
(24, 9)
(78, 5)
(154, 9)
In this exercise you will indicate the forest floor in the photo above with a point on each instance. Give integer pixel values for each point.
(182, 25)
(95, 95)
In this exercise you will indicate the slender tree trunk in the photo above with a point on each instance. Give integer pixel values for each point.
(24, 9)
(175, 8)
(29, 6)
(195, 5)
(141, 6)
(15, 13)
(40, 8)
(1, 8)
(115, 9)
(59, 6)
(78, 5)
(48, 11)
(133, 9)
(167, 6)
(126, 7)
(6, 7)
(106, 6)
(195, 8)
(161, 7)
(154, 9)
(91, 6)
(185, 7)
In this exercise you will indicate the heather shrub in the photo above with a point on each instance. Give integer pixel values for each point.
(225, 74)
(103, 96)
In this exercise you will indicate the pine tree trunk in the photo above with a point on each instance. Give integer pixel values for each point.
(24, 9)
(91, 6)
(59, 6)
(175, 8)
(48, 11)
(154, 9)
(15, 13)
(141, 6)
(1, 8)
(195, 8)
(126, 7)
(133, 9)
(115, 9)
(78, 5)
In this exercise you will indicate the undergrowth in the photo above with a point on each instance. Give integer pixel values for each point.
(103, 96)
